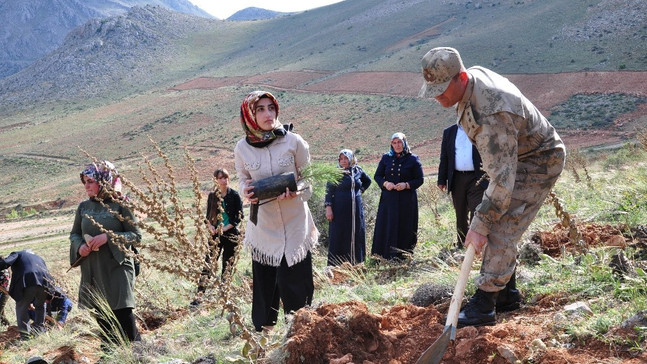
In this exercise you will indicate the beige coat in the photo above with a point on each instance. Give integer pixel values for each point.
(284, 228)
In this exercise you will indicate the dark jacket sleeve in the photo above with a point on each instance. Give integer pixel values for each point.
(379, 176)
(234, 207)
(418, 175)
(76, 236)
(366, 180)
(330, 193)
(443, 165)
(8, 261)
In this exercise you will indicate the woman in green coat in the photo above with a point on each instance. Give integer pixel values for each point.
(107, 272)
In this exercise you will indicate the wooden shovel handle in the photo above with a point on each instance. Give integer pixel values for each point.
(459, 290)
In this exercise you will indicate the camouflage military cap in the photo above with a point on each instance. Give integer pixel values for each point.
(439, 66)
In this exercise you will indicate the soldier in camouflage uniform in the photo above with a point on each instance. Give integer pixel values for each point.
(523, 156)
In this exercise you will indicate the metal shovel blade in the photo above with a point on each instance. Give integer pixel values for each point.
(435, 352)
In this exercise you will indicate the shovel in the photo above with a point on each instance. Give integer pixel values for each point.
(435, 352)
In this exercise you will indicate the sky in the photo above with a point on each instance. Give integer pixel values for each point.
(223, 9)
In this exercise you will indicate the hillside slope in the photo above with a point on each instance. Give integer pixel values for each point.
(346, 75)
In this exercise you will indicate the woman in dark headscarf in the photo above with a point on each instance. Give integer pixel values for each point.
(284, 233)
(398, 174)
(106, 270)
(344, 211)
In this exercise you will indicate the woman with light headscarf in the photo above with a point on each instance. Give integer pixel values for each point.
(398, 174)
(284, 232)
(345, 213)
(107, 272)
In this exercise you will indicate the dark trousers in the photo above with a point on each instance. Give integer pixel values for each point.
(293, 286)
(226, 248)
(466, 195)
(127, 325)
(37, 296)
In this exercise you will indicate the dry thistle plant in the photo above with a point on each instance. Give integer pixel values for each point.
(182, 239)
(577, 160)
(641, 135)
(429, 192)
(574, 235)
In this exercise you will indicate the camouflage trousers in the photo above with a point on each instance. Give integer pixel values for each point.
(535, 178)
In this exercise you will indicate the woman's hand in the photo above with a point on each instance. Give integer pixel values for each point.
(288, 195)
(96, 242)
(84, 250)
(401, 186)
(247, 192)
(329, 214)
(389, 185)
(212, 229)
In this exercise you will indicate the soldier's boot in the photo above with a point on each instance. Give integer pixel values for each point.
(479, 310)
(509, 298)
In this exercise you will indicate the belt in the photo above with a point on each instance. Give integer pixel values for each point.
(457, 171)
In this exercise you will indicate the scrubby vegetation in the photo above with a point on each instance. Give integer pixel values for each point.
(219, 328)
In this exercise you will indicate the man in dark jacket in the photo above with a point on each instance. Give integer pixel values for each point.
(30, 281)
(460, 174)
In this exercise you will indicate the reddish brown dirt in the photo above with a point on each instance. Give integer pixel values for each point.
(545, 90)
(593, 235)
(348, 333)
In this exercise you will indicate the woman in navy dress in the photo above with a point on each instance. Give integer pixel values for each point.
(398, 174)
(345, 213)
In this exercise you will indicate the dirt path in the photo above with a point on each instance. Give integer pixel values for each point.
(26, 231)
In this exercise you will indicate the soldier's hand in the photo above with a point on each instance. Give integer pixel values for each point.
(475, 239)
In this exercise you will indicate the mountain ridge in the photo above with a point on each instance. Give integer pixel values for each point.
(31, 29)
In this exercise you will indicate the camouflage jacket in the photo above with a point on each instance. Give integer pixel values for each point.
(506, 128)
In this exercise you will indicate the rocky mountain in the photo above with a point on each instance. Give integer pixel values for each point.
(152, 46)
(253, 13)
(29, 29)
(104, 54)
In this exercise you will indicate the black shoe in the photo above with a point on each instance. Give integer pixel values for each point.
(479, 310)
(508, 300)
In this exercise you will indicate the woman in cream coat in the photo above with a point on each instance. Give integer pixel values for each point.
(281, 239)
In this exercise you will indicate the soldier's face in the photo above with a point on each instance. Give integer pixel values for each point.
(453, 94)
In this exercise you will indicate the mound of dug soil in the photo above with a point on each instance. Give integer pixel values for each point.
(347, 333)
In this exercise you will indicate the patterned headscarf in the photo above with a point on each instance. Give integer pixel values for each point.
(405, 149)
(255, 135)
(351, 157)
(105, 173)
